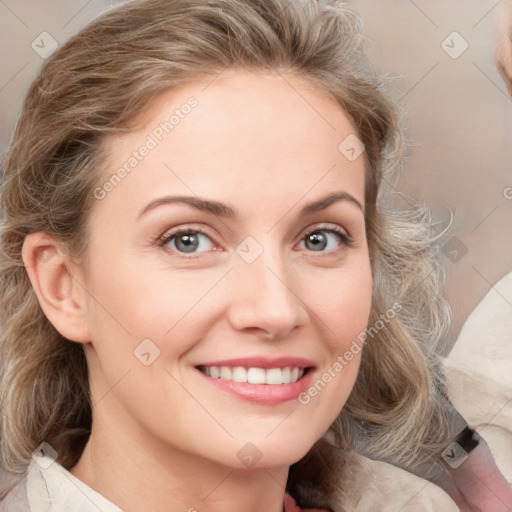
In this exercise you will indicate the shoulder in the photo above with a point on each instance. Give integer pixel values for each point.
(13, 493)
(370, 485)
(49, 486)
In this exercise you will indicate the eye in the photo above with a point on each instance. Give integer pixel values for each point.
(194, 241)
(187, 241)
(325, 239)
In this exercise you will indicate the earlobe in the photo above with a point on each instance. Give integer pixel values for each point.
(60, 297)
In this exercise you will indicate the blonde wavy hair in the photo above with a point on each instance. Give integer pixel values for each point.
(97, 84)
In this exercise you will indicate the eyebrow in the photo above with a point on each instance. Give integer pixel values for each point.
(226, 211)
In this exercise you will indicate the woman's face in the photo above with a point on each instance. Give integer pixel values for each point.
(259, 273)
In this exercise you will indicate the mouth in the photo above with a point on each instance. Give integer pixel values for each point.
(267, 381)
(255, 375)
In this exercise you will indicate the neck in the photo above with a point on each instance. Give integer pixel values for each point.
(138, 473)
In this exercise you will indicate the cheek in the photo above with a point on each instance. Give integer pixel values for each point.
(343, 304)
(132, 303)
(343, 307)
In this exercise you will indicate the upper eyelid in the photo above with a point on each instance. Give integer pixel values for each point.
(170, 233)
(325, 227)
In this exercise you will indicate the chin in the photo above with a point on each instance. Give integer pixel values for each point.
(273, 453)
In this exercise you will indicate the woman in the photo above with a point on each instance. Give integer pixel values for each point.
(204, 286)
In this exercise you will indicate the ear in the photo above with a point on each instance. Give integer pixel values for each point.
(61, 298)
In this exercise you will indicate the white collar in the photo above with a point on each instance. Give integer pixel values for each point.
(52, 488)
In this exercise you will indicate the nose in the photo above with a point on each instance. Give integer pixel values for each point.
(266, 300)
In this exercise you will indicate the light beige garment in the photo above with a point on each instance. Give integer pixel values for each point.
(375, 486)
(48, 487)
(479, 372)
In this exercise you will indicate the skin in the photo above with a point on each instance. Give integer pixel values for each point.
(164, 438)
(478, 485)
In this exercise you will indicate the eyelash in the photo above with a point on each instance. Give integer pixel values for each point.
(163, 240)
(344, 237)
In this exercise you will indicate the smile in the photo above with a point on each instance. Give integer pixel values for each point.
(265, 380)
(254, 375)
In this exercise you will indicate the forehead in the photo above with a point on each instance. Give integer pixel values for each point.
(241, 134)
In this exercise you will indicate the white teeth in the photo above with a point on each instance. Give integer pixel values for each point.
(272, 376)
(225, 373)
(239, 374)
(256, 376)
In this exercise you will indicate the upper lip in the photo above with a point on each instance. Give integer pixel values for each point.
(262, 362)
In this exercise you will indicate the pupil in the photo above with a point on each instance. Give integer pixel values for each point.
(318, 240)
(189, 243)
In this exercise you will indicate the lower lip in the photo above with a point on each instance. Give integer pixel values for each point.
(263, 393)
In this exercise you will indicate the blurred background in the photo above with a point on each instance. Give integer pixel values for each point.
(440, 58)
